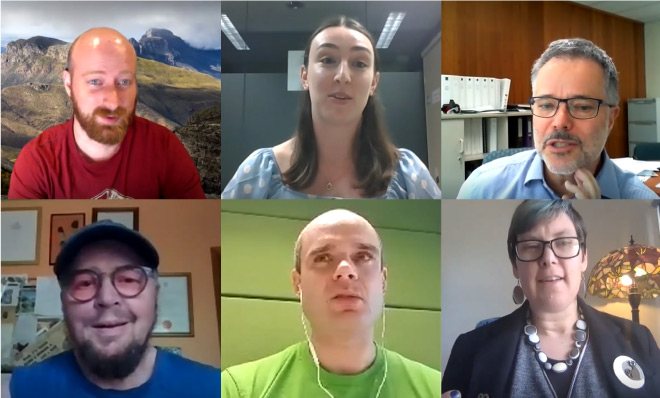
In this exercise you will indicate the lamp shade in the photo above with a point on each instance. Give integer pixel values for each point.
(634, 265)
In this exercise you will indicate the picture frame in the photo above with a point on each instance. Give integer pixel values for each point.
(10, 294)
(62, 227)
(175, 306)
(16, 279)
(27, 299)
(127, 216)
(21, 233)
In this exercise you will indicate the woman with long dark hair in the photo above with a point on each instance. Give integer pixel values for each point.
(341, 147)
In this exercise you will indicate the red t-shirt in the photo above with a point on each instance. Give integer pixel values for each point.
(151, 163)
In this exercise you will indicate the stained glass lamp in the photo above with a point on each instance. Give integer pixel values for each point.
(631, 271)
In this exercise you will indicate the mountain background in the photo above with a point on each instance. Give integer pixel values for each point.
(178, 87)
(163, 46)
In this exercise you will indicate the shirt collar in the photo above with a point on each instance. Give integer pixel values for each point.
(607, 181)
(609, 187)
(535, 171)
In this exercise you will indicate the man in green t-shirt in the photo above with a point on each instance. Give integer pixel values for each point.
(341, 279)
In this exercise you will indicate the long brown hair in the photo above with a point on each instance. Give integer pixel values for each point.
(374, 154)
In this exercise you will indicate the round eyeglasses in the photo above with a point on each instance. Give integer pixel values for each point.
(579, 108)
(128, 280)
(532, 250)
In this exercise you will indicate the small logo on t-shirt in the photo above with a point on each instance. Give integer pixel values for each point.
(110, 193)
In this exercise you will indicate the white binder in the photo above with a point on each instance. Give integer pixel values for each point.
(469, 90)
(445, 94)
(461, 90)
(505, 84)
(492, 93)
(478, 86)
(492, 134)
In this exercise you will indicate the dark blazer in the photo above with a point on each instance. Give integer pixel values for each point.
(481, 361)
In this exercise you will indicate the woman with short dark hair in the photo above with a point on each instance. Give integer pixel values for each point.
(555, 344)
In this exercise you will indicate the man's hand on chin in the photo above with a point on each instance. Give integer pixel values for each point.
(584, 187)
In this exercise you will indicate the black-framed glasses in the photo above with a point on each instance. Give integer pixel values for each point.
(532, 249)
(128, 280)
(579, 107)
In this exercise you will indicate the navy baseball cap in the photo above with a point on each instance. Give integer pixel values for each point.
(105, 230)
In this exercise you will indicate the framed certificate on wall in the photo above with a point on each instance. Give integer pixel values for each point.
(20, 236)
(127, 216)
(175, 306)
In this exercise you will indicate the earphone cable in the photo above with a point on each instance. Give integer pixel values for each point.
(318, 366)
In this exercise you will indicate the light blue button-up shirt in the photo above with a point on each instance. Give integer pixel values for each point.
(520, 176)
(259, 177)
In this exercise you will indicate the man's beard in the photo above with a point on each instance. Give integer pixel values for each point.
(102, 133)
(114, 367)
(588, 153)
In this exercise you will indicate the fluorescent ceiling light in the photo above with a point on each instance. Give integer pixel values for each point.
(389, 30)
(232, 34)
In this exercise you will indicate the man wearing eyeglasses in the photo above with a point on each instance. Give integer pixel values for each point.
(574, 105)
(109, 289)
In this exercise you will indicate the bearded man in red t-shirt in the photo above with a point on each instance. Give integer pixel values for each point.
(104, 151)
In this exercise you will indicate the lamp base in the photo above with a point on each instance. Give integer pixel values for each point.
(634, 298)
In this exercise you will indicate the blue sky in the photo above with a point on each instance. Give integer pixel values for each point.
(196, 22)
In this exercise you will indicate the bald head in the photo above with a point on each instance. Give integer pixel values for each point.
(105, 40)
(331, 218)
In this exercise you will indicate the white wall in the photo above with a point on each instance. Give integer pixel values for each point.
(652, 59)
(432, 82)
(477, 279)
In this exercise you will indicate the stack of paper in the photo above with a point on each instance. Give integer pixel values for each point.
(637, 166)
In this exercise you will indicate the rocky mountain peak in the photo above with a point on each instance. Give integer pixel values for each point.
(21, 50)
(158, 32)
(163, 41)
(162, 45)
(40, 42)
(45, 42)
(38, 59)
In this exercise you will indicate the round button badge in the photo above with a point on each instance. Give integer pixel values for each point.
(628, 371)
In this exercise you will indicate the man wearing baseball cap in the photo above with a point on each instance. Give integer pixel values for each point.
(108, 276)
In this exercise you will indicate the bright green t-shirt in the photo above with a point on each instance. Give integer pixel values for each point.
(292, 374)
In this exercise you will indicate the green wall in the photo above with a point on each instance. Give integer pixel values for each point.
(260, 313)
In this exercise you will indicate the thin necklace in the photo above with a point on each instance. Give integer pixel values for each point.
(579, 336)
(329, 184)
